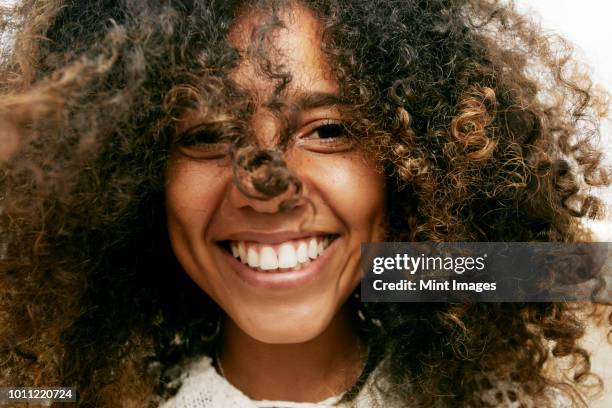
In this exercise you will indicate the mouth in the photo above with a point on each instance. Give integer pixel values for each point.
(280, 257)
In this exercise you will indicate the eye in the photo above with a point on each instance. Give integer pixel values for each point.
(199, 138)
(330, 131)
(207, 141)
(326, 136)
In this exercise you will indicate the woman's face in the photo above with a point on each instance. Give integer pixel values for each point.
(308, 254)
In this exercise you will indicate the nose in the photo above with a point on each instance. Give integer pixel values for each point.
(263, 182)
(282, 203)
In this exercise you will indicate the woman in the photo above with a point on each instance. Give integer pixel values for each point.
(186, 185)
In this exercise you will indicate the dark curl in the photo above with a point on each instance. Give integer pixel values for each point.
(262, 174)
(483, 127)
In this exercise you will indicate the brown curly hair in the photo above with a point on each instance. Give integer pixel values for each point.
(483, 126)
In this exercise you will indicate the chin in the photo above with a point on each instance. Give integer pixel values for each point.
(286, 326)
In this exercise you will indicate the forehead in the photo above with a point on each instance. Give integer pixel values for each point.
(280, 50)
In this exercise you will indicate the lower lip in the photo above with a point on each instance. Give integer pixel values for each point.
(282, 280)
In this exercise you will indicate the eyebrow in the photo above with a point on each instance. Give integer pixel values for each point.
(318, 99)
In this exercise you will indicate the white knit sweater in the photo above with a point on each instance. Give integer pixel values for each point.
(203, 387)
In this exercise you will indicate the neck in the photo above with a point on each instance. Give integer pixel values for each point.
(311, 371)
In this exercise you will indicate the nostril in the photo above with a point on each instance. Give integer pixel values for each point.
(288, 205)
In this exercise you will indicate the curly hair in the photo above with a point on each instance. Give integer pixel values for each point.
(485, 129)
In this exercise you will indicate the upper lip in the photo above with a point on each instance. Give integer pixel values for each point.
(271, 237)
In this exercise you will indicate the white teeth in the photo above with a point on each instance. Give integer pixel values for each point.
(312, 249)
(289, 255)
(267, 258)
(252, 258)
(287, 258)
(302, 252)
(242, 252)
(320, 248)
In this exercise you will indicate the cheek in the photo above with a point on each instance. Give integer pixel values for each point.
(352, 188)
(192, 192)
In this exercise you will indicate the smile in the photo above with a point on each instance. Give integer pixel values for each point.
(285, 255)
(280, 265)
